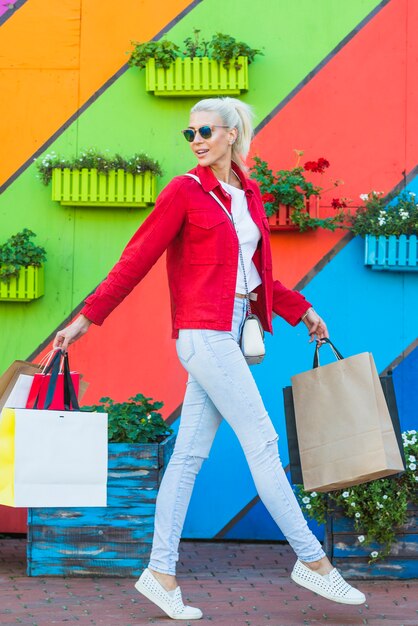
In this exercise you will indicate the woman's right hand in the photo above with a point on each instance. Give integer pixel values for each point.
(71, 333)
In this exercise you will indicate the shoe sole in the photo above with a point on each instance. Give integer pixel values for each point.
(340, 600)
(145, 592)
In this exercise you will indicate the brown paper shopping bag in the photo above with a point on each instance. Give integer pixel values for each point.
(344, 429)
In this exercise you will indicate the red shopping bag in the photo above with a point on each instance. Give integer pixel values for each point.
(41, 383)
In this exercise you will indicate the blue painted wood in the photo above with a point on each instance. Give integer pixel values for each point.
(351, 556)
(121, 568)
(397, 254)
(106, 541)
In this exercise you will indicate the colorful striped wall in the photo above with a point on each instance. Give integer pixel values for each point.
(337, 80)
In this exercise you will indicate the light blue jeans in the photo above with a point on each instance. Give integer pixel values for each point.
(221, 385)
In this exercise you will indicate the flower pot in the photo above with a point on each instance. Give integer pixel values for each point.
(351, 557)
(281, 220)
(396, 254)
(27, 286)
(88, 187)
(200, 76)
(103, 541)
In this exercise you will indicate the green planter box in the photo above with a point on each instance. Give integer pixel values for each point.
(351, 556)
(27, 286)
(103, 541)
(396, 254)
(200, 76)
(87, 187)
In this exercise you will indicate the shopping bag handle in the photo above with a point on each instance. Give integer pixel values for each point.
(52, 368)
(70, 396)
(336, 352)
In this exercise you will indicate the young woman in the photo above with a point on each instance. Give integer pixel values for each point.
(211, 261)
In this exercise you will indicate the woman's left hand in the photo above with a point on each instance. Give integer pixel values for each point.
(316, 326)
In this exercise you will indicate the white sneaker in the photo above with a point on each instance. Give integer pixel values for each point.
(170, 602)
(331, 586)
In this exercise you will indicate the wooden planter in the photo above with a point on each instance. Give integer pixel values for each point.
(27, 286)
(282, 219)
(200, 76)
(396, 254)
(108, 541)
(118, 188)
(351, 557)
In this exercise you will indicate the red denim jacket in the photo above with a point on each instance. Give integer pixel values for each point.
(202, 258)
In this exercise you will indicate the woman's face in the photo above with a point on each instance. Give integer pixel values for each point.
(217, 148)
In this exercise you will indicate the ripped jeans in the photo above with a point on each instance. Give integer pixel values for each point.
(220, 385)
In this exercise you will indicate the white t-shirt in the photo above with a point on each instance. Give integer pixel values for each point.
(248, 235)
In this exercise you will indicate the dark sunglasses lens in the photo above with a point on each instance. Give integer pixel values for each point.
(189, 134)
(205, 132)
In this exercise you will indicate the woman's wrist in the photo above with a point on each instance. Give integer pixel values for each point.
(305, 315)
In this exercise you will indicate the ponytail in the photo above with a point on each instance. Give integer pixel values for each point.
(234, 114)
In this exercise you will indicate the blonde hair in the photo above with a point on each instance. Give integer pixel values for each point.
(234, 114)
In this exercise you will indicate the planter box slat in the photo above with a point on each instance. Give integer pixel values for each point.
(347, 545)
(90, 534)
(396, 254)
(66, 551)
(106, 541)
(27, 286)
(89, 516)
(88, 187)
(393, 570)
(200, 76)
(121, 568)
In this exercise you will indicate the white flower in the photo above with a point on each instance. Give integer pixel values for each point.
(374, 554)
(416, 478)
(411, 458)
(385, 497)
(346, 494)
(353, 504)
(313, 494)
(305, 499)
(413, 440)
(358, 514)
(309, 506)
(411, 193)
(379, 506)
(361, 538)
(404, 214)
(364, 197)
(412, 466)
(411, 432)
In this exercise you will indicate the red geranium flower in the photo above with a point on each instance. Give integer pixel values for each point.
(317, 166)
(267, 197)
(336, 203)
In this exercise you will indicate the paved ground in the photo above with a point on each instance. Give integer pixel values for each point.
(234, 584)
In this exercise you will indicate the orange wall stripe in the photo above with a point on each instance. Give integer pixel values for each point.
(52, 62)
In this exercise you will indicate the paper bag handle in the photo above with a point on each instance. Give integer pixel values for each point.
(70, 396)
(336, 352)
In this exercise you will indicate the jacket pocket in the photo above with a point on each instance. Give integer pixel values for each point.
(207, 232)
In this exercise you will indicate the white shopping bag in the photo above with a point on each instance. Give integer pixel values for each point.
(60, 458)
(19, 392)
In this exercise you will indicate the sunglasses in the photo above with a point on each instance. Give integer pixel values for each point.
(204, 131)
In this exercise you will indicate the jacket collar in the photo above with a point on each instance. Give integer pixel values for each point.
(210, 182)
